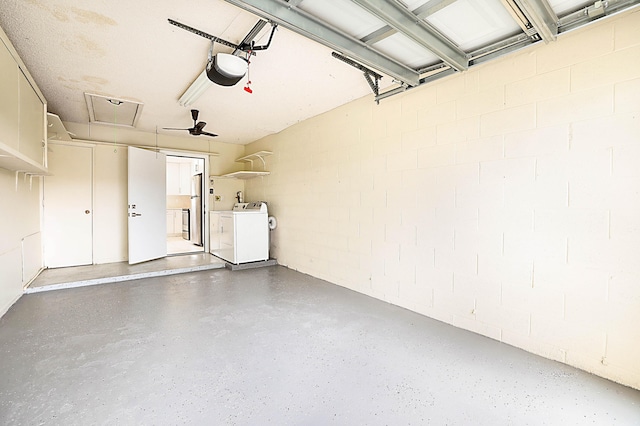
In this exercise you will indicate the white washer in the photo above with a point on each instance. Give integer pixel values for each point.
(243, 233)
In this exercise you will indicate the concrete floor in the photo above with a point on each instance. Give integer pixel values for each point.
(82, 276)
(273, 346)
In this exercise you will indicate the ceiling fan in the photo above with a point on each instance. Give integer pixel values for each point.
(197, 128)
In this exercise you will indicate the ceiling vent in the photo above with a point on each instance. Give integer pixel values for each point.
(108, 110)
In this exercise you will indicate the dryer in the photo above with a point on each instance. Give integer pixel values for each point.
(243, 233)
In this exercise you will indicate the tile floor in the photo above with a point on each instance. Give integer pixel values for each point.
(273, 346)
(178, 245)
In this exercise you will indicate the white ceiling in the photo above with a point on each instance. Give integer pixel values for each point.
(128, 50)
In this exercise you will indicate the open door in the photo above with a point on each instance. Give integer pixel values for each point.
(147, 205)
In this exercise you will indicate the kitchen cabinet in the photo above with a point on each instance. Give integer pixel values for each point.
(179, 178)
(22, 115)
(174, 222)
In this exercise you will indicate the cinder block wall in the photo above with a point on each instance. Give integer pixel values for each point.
(504, 200)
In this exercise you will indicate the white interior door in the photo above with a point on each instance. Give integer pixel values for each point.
(68, 211)
(147, 201)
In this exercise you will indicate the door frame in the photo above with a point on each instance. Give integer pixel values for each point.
(206, 184)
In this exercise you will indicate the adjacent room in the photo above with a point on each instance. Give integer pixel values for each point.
(320, 212)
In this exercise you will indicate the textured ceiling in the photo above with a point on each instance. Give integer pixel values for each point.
(127, 49)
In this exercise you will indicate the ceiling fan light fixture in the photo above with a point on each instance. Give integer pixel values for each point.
(226, 69)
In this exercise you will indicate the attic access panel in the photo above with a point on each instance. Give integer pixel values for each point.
(113, 111)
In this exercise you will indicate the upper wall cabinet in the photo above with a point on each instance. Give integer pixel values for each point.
(179, 178)
(22, 115)
(9, 93)
(32, 122)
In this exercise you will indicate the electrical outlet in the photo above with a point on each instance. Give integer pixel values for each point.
(218, 198)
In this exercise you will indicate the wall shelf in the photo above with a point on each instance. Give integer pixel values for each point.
(10, 159)
(254, 157)
(248, 174)
(242, 175)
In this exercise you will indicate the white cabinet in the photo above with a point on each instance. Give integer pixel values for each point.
(32, 123)
(9, 93)
(174, 222)
(22, 115)
(179, 178)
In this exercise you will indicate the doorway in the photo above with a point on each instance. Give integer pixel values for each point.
(185, 204)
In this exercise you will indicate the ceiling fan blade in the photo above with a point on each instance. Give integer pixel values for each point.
(194, 115)
(213, 135)
(198, 127)
(173, 128)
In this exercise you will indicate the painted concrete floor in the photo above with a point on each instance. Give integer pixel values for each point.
(82, 276)
(273, 346)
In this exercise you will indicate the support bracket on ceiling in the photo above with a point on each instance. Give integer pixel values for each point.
(534, 16)
(203, 34)
(301, 22)
(246, 45)
(421, 32)
(372, 77)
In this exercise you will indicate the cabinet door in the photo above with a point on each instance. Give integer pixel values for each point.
(170, 227)
(9, 112)
(177, 222)
(173, 179)
(185, 179)
(31, 122)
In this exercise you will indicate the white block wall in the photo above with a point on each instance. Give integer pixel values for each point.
(504, 200)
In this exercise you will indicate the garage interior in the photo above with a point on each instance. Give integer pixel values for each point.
(456, 191)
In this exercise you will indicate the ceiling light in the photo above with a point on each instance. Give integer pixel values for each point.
(223, 69)
(197, 88)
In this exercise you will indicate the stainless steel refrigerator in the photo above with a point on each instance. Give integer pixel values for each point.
(196, 210)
